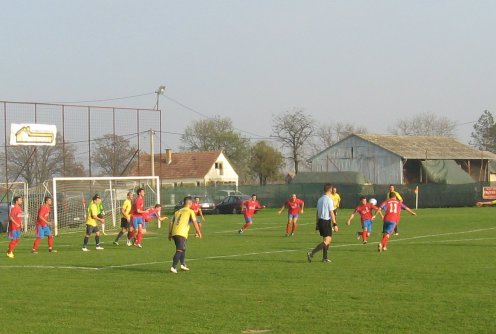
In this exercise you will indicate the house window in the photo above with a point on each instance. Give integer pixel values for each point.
(219, 169)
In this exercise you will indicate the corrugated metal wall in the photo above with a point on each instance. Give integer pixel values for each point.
(354, 154)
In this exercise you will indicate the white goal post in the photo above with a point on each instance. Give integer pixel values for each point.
(71, 195)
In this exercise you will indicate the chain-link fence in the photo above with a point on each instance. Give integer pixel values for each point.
(274, 195)
(91, 141)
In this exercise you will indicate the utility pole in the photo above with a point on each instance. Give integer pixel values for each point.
(152, 151)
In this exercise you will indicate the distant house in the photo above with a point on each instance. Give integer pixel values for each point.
(189, 169)
(392, 159)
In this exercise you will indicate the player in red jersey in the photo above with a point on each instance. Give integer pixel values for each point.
(137, 213)
(364, 209)
(392, 208)
(152, 214)
(295, 207)
(249, 207)
(43, 226)
(15, 225)
(196, 207)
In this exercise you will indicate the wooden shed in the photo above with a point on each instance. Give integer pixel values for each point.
(392, 159)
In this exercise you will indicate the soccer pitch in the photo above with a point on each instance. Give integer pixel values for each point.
(438, 276)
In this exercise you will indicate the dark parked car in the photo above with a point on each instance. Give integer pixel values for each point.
(232, 204)
(207, 205)
(4, 216)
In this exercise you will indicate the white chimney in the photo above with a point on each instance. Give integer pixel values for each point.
(168, 156)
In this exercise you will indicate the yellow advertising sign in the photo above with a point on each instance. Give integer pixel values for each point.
(33, 134)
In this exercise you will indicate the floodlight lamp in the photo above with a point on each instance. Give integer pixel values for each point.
(161, 90)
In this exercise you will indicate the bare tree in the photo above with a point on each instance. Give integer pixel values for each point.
(293, 129)
(112, 154)
(425, 124)
(38, 164)
(329, 134)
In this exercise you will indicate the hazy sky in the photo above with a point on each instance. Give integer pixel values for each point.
(364, 62)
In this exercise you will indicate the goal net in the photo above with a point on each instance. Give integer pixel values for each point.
(75, 193)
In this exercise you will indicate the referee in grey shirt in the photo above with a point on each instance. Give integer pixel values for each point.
(325, 217)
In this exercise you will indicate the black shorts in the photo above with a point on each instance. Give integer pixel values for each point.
(125, 223)
(91, 229)
(325, 229)
(180, 242)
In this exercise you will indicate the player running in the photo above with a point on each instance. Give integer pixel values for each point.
(398, 196)
(392, 211)
(249, 207)
(196, 207)
(43, 226)
(295, 207)
(15, 225)
(179, 229)
(125, 219)
(366, 218)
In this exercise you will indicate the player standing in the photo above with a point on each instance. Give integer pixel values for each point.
(15, 225)
(336, 199)
(398, 196)
(295, 207)
(325, 217)
(249, 207)
(196, 207)
(392, 212)
(137, 213)
(92, 220)
(125, 218)
(179, 229)
(43, 226)
(366, 218)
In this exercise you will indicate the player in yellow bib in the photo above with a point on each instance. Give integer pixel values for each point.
(125, 218)
(92, 220)
(179, 230)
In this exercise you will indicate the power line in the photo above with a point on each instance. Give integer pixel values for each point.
(204, 115)
(105, 100)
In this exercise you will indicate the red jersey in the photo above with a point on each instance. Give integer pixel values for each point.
(294, 207)
(138, 205)
(365, 211)
(44, 212)
(250, 206)
(196, 208)
(151, 213)
(16, 214)
(392, 208)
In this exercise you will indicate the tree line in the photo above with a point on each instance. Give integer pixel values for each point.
(296, 136)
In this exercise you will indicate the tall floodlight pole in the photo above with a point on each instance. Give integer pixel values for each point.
(160, 91)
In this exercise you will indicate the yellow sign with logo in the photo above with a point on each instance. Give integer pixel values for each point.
(33, 134)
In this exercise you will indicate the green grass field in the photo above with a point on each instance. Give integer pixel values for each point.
(438, 276)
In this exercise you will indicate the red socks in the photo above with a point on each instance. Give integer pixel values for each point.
(50, 242)
(245, 226)
(36, 243)
(139, 237)
(12, 245)
(293, 230)
(364, 235)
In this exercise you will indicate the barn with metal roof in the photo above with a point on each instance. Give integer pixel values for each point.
(393, 159)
